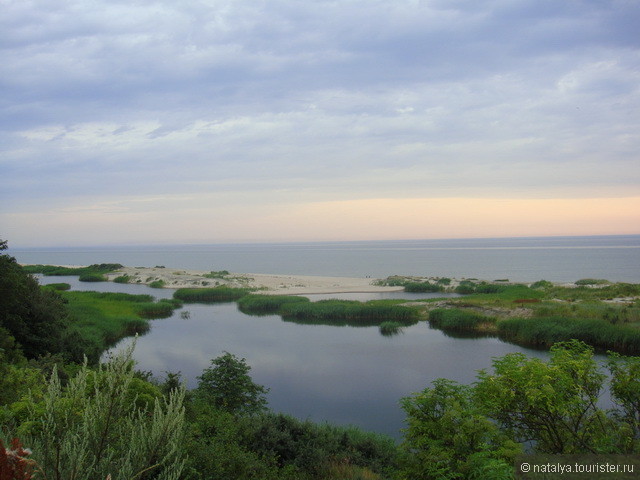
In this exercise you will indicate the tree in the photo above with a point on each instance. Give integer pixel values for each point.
(36, 318)
(552, 404)
(227, 385)
(448, 437)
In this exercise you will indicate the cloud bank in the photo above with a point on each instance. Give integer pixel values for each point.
(115, 113)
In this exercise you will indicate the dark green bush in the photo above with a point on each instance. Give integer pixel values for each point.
(122, 279)
(157, 284)
(58, 286)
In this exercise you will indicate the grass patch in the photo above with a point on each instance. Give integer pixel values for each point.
(351, 311)
(92, 277)
(54, 270)
(390, 328)
(101, 319)
(459, 320)
(122, 279)
(544, 332)
(157, 284)
(423, 287)
(60, 287)
(265, 304)
(210, 295)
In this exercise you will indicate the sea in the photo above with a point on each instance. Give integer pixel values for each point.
(523, 259)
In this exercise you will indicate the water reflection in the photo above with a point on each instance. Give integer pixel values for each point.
(344, 375)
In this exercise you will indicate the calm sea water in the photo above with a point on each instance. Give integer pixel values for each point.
(559, 259)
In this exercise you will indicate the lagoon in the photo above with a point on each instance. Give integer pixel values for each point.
(343, 375)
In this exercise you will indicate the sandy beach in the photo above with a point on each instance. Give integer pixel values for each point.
(268, 284)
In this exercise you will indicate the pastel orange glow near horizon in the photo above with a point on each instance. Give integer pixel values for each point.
(363, 219)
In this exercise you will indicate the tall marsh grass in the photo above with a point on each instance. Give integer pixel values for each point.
(349, 310)
(544, 332)
(459, 320)
(264, 304)
(210, 295)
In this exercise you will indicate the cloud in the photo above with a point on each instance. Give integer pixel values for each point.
(326, 101)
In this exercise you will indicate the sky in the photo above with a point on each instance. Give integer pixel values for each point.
(206, 121)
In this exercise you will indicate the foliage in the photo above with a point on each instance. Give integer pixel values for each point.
(55, 270)
(390, 328)
(422, 287)
(545, 332)
(92, 277)
(227, 385)
(61, 287)
(217, 274)
(449, 437)
(313, 448)
(100, 319)
(592, 281)
(210, 295)
(36, 318)
(458, 320)
(158, 284)
(350, 310)
(14, 464)
(91, 428)
(553, 404)
(261, 304)
(122, 279)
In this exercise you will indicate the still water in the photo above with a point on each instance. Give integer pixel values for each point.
(343, 375)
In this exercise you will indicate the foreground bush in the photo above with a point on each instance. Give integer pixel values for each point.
(94, 427)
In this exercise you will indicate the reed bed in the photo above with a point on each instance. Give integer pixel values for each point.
(349, 310)
(210, 295)
(265, 304)
(544, 332)
(459, 320)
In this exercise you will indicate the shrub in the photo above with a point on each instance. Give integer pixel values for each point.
(157, 284)
(122, 279)
(61, 287)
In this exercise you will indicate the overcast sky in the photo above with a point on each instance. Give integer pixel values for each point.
(250, 120)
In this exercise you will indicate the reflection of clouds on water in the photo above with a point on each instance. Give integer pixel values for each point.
(344, 375)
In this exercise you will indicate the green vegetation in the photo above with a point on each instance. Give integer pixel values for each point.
(53, 270)
(373, 312)
(122, 279)
(157, 284)
(543, 314)
(92, 277)
(592, 281)
(210, 295)
(58, 286)
(423, 287)
(458, 320)
(98, 320)
(264, 304)
(390, 328)
(217, 274)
